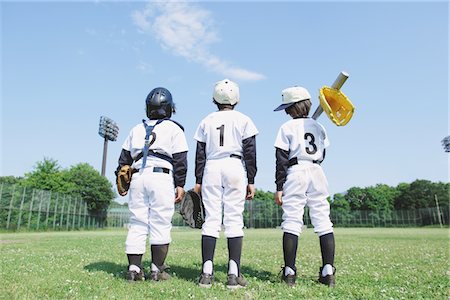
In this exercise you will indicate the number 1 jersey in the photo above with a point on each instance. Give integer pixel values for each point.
(223, 133)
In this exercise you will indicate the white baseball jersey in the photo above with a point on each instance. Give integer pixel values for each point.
(304, 138)
(223, 132)
(167, 138)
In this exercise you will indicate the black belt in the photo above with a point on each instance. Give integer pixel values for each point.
(161, 170)
(155, 169)
(294, 161)
(236, 156)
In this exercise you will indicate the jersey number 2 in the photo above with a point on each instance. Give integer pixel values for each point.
(309, 137)
(221, 129)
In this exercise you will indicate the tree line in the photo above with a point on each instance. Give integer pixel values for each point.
(81, 181)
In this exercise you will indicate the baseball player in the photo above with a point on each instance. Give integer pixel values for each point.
(225, 169)
(156, 149)
(300, 148)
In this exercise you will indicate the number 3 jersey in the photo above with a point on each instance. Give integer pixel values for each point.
(304, 138)
(223, 133)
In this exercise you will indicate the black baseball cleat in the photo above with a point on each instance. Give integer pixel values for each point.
(329, 280)
(236, 282)
(205, 280)
(160, 274)
(289, 279)
(132, 276)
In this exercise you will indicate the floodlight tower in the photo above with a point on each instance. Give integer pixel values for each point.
(109, 131)
(446, 143)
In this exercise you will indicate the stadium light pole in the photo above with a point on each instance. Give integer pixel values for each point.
(109, 131)
(446, 143)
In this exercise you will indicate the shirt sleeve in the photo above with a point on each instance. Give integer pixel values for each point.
(179, 141)
(282, 165)
(199, 135)
(200, 162)
(249, 130)
(326, 141)
(282, 140)
(179, 161)
(249, 150)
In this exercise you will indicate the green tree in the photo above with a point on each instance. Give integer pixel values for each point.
(340, 205)
(46, 175)
(421, 193)
(11, 180)
(93, 188)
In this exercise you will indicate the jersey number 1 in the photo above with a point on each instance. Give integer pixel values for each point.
(221, 129)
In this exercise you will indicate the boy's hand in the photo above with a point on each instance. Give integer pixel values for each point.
(198, 188)
(179, 194)
(250, 191)
(278, 197)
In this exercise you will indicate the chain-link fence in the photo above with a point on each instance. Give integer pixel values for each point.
(264, 214)
(23, 208)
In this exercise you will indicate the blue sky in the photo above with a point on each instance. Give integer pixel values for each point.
(65, 64)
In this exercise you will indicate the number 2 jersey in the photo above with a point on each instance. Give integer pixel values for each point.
(223, 134)
(303, 139)
(167, 140)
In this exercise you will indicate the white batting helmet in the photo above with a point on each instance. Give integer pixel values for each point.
(226, 92)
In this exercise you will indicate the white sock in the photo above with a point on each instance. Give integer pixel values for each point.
(154, 268)
(134, 268)
(233, 268)
(208, 267)
(327, 270)
(288, 271)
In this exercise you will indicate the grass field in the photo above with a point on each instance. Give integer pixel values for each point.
(372, 263)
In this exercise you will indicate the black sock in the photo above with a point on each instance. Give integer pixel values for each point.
(159, 254)
(135, 259)
(327, 248)
(235, 250)
(208, 247)
(290, 244)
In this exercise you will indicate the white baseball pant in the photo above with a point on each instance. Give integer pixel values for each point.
(306, 184)
(224, 184)
(151, 204)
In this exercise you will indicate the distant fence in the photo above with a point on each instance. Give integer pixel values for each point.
(23, 208)
(263, 214)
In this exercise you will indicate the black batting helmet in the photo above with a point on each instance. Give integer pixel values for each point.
(159, 104)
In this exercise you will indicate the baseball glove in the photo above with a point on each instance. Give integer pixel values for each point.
(192, 209)
(336, 105)
(123, 179)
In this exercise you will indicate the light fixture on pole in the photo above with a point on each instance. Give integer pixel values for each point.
(109, 131)
(446, 143)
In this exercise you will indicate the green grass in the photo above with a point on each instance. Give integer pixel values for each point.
(372, 263)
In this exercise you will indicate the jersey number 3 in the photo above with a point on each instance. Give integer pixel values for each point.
(309, 137)
(221, 130)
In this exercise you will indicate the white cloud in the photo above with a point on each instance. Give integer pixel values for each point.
(187, 30)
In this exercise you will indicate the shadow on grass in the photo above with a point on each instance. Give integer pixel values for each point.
(118, 270)
(187, 273)
(193, 273)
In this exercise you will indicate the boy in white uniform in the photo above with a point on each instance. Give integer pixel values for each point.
(300, 148)
(225, 170)
(156, 149)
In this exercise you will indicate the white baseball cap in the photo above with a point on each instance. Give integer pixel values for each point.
(226, 92)
(292, 95)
